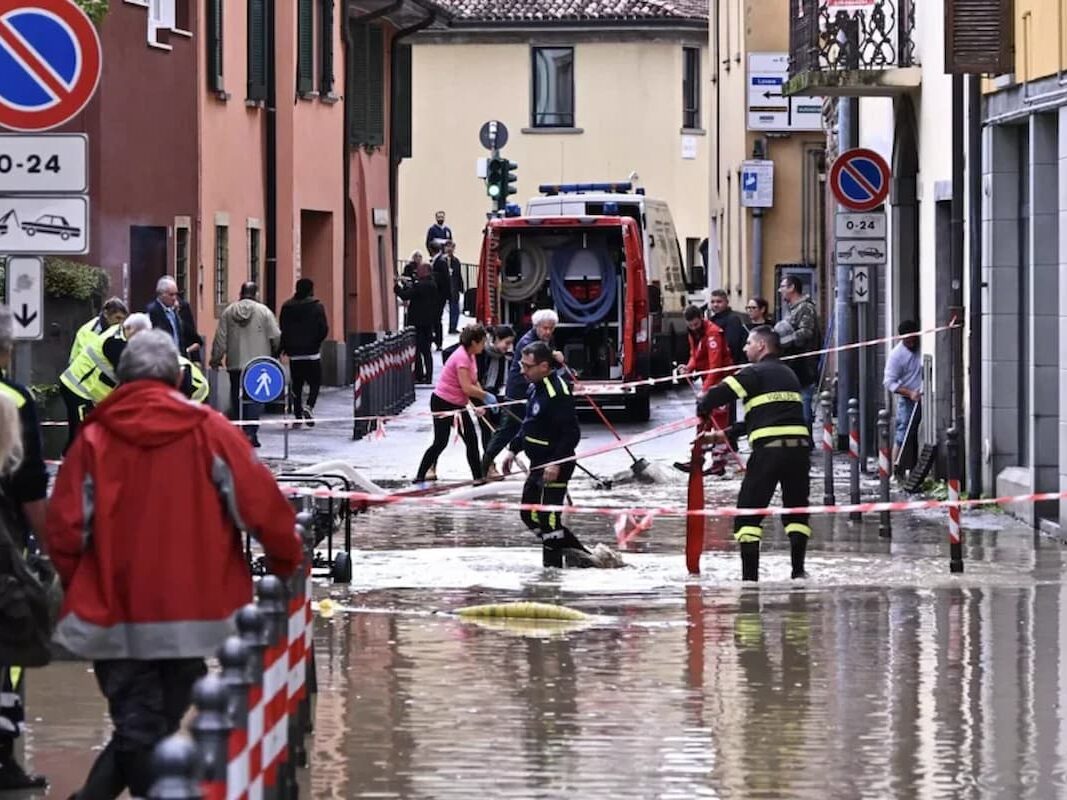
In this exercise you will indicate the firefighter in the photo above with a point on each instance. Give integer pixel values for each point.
(91, 376)
(548, 433)
(113, 313)
(778, 433)
(194, 384)
(708, 350)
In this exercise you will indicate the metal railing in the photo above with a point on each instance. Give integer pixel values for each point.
(384, 380)
(469, 271)
(827, 38)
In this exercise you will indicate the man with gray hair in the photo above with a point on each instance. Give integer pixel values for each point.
(127, 568)
(168, 313)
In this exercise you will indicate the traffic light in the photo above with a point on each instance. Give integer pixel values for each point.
(494, 177)
(507, 183)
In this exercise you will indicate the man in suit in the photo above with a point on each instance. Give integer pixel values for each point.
(167, 314)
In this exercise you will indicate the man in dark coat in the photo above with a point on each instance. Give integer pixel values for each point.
(442, 279)
(171, 314)
(304, 329)
(423, 308)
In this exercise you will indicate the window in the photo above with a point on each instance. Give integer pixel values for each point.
(181, 259)
(367, 112)
(253, 254)
(222, 264)
(691, 88)
(214, 47)
(553, 87)
(257, 50)
(326, 48)
(305, 46)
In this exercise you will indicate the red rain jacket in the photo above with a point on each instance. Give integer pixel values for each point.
(708, 350)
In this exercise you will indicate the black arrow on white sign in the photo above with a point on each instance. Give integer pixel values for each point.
(25, 318)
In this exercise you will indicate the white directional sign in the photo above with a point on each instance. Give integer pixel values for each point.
(861, 285)
(44, 225)
(757, 184)
(860, 226)
(860, 251)
(52, 163)
(25, 295)
(768, 108)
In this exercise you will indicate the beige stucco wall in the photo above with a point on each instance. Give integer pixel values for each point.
(628, 103)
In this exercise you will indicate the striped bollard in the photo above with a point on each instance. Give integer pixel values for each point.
(233, 658)
(307, 709)
(274, 604)
(299, 607)
(828, 498)
(246, 768)
(884, 469)
(358, 431)
(211, 732)
(174, 765)
(955, 533)
(854, 457)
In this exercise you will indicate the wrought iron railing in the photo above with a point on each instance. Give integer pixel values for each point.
(826, 36)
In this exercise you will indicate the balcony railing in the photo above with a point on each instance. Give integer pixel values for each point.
(843, 48)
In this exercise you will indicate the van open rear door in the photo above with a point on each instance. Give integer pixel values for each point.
(487, 300)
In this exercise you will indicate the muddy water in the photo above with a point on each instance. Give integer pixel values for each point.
(881, 676)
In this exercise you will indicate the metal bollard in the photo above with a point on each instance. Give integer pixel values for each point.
(273, 602)
(955, 532)
(233, 658)
(854, 457)
(884, 469)
(252, 627)
(409, 369)
(211, 731)
(174, 765)
(827, 449)
(358, 431)
(299, 615)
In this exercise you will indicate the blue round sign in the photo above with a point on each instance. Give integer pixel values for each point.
(263, 380)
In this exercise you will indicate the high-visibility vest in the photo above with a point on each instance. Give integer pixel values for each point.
(91, 376)
(199, 387)
(13, 394)
(85, 334)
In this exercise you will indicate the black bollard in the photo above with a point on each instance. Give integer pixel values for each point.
(252, 627)
(884, 468)
(828, 498)
(854, 457)
(955, 531)
(233, 658)
(175, 770)
(211, 729)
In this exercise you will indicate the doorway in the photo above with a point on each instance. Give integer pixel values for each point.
(148, 263)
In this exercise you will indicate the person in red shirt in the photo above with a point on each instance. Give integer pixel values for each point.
(144, 530)
(708, 350)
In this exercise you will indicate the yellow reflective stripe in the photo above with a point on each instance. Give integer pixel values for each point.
(773, 397)
(72, 382)
(101, 362)
(748, 533)
(735, 384)
(16, 675)
(556, 485)
(534, 517)
(798, 527)
(14, 394)
(564, 387)
(549, 387)
(537, 441)
(778, 430)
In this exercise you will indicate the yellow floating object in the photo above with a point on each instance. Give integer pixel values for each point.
(522, 611)
(325, 608)
(529, 628)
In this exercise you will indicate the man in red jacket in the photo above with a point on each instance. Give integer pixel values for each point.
(708, 350)
(143, 527)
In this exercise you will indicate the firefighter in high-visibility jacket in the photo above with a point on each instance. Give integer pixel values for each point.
(778, 434)
(91, 376)
(548, 433)
(193, 383)
(114, 312)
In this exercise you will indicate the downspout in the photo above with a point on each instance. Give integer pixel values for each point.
(974, 343)
(271, 157)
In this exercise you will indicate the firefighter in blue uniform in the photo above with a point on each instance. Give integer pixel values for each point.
(548, 433)
(778, 433)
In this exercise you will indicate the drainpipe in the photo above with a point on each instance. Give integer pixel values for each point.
(974, 343)
(758, 152)
(955, 293)
(271, 158)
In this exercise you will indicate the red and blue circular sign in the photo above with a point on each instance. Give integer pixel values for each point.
(49, 63)
(859, 179)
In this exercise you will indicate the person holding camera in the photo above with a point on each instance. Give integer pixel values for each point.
(423, 309)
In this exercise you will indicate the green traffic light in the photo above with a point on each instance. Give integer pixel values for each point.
(494, 190)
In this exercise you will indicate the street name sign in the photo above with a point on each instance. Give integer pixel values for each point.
(768, 108)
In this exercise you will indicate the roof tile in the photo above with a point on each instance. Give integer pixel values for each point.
(572, 10)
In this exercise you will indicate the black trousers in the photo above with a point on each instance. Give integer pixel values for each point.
(768, 467)
(442, 429)
(423, 354)
(505, 432)
(548, 525)
(146, 701)
(438, 327)
(301, 372)
(77, 408)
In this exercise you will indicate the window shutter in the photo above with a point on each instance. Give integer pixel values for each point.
(979, 37)
(257, 50)
(214, 45)
(356, 102)
(305, 46)
(375, 86)
(326, 49)
(402, 102)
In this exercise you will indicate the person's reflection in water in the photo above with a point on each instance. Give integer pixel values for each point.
(550, 703)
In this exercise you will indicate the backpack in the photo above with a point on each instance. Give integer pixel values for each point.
(30, 597)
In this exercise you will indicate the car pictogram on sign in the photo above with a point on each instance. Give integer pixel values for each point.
(52, 224)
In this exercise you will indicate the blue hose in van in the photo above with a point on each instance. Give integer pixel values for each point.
(571, 308)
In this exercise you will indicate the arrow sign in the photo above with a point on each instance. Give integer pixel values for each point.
(25, 292)
(861, 285)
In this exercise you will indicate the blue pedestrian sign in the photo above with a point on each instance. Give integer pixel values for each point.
(263, 380)
(859, 179)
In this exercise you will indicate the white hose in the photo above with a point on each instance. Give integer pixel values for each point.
(526, 287)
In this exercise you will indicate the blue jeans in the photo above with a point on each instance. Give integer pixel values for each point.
(453, 312)
(905, 407)
(807, 393)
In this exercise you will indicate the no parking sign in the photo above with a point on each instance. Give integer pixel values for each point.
(49, 63)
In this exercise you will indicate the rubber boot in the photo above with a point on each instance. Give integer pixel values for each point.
(750, 561)
(551, 555)
(798, 547)
(12, 776)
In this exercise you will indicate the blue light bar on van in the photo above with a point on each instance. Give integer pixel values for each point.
(553, 189)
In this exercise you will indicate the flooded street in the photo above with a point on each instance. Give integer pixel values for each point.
(881, 676)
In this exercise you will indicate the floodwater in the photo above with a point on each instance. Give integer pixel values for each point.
(882, 676)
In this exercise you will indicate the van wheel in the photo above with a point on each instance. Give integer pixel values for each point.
(639, 407)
